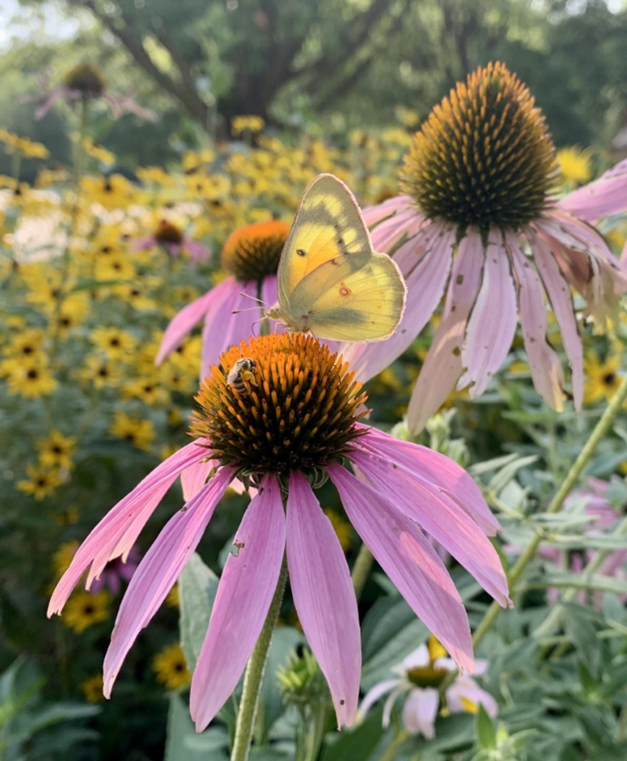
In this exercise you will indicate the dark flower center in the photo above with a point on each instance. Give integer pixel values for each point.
(86, 79)
(277, 404)
(168, 233)
(484, 156)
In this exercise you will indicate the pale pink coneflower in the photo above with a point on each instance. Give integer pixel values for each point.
(424, 679)
(479, 225)
(173, 240)
(251, 256)
(289, 421)
(84, 83)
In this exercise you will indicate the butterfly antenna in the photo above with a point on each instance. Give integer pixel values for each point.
(260, 302)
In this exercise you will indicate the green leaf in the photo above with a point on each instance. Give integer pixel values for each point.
(92, 284)
(359, 743)
(583, 635)
(198, 585)
(556, 578)
(180, 732)
(485, 729)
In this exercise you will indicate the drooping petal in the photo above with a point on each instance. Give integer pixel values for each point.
(440, 517)
(386, 235)
(601, 198)
(244, 595)
(562, 303)
(425, 285)
(412, 564)
(158, 571)
(546, 368)
(374, 694)
(324, 596)
(111, 530)
(228, 325)
(492, 322)
(190, 315)
(420, 711)
(435, 467)
(443, 364)
(466, 695)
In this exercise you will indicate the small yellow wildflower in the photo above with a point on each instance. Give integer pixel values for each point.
(341, 527)
(575, 164)
(56, 450)
(251, 123)
(116, 343)
(602, 378)
(30, 379)
(100, 372)
(173, 598)
(96, 151)
(83, 610)
(23, 145)
(170, 667)
(92, 689)
(115, 266)
(41, 482)
(139, 432)
(137, 295)
(151, 392)
(26, 343)
(112, 192)
(63, 557)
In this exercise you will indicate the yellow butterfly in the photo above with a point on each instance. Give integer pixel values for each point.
(330, 281)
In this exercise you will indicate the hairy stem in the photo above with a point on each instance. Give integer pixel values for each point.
(254, 675)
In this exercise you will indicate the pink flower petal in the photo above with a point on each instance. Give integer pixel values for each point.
(440, 517)
(112, 529)
(425, 285)
(194, 477)
(374, 214)
(376, 692)
(244, 595)
(231, 323)
(443, 365)
(324, 596)
(562, 303)
(492, 323)
(386, 235)
(412, 564)
(158, 571)
(546, 368)
(420, 711)
(601, 198)
(436, 468)
(184, 321)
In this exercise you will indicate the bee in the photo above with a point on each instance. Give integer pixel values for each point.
(243, 370)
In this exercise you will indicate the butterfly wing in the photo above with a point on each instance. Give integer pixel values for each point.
(356, 298)
(329, 279)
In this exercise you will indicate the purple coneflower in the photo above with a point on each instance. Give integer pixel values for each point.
(424, 677)
(173, 240)
(251, 256)
(478, 223)
(290, 420)
(115, 572)
(83, 83)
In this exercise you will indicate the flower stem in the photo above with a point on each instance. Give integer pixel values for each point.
(572, 476)
(391, 752)
(254, 674)
(361, 569)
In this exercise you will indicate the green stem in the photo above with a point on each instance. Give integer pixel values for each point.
(254, 674)
(361, 569)
(391, 752)
(597, 435)
(316, 733)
